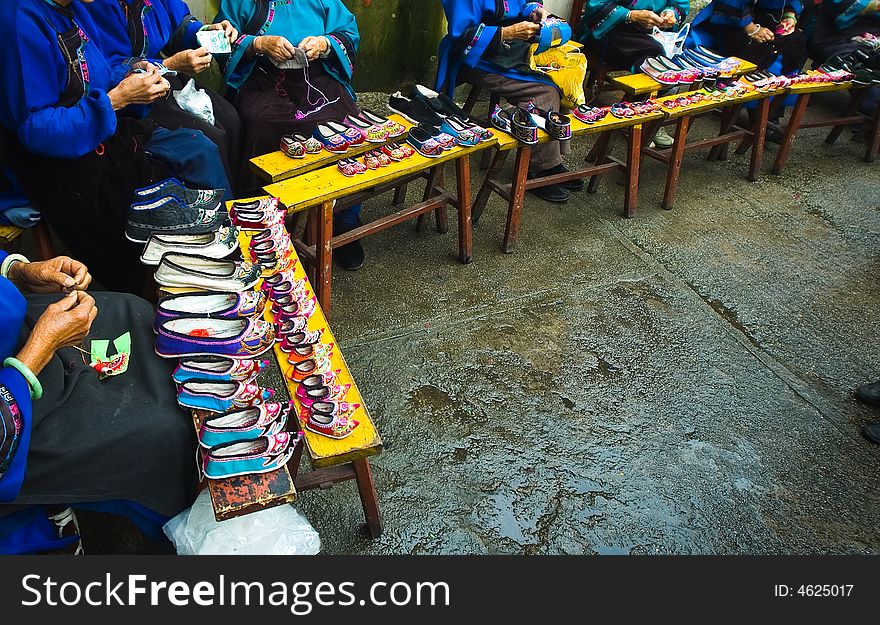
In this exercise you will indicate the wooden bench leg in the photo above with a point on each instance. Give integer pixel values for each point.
(43, 240)
(633, 165)
(471, 101)
(369, 498)
(797, 115)
(324, 256)
(675, 158)
(433, 173)
(602, 148)
(486, 156)
(874, 138)
(759, 134)
(728, 118)
(486, 189)
(465, 225)
(440, 211)
(399, 195)
(517, 196)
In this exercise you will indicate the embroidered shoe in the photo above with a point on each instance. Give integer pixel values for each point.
(217, 369)
(209, 199)
(333, 420)
(188, 270)
(221, 396)
(335, 392)
(310, 367)
(303, 308)
(373, 133)
(211, 304)
(353, 136)
(290, 302)
(261, 455)
(314, 352)
(232, 338)
(331, 140)
(393, 128)
(290, 326)
(244, 424)
(317, 380)
(301, 339)
(169, 215)
(219, 244)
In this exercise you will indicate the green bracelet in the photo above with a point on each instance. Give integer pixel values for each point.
(33, 382)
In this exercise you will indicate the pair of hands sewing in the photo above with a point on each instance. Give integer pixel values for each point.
(280, 49)
(648, 19)
(765, 35)
(527, 29)
(66, 322)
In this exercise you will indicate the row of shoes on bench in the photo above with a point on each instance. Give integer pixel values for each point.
(171, 207)
(339, 137)
(440, 124)
(700, 65)
(374, 159)
(522, 123)
(862, 63)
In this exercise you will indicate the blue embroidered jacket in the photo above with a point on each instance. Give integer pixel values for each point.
(603, 15)
(848, 12)
(738, 13)
(55, 79)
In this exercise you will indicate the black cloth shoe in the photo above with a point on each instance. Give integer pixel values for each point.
(350, 257)
(869, 393)
(552, 193)
(417, 110)
(872, 432)
(571, 185)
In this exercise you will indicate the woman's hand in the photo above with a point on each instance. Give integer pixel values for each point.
(65, 323)
(276, 48)
(759, 34)
(786, 26)
(645, 19)
(314, 47)
(228, 29)
(62, 274)
(539, 15)
(522, 30)
(189, 61)
(138, 88)
(668, 17)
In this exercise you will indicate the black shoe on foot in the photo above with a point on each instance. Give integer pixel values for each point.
(869, 393)
(552, 193)
(872, 432)
(571, 185)
(350, 257)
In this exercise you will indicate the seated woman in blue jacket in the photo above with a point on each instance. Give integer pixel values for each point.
(486, 46)
(118, 445)
(163, 32)
(619, 31)
(761, 31)
(78, 162)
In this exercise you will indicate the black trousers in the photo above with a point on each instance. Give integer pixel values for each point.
(625, 47)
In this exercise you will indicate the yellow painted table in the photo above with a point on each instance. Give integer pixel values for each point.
(277, 166)
(514, 193)
(322, 188)
(803, 92)
(332, 461)
(729, 132)
(41, 234)
(639, 84)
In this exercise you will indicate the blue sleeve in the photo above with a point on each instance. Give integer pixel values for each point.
(15, 403)
(34, 75)
(601, 16)
(341, 29)
(681, 8)
(472, 38)
(238, 65)
(184, 24)
(3, 255)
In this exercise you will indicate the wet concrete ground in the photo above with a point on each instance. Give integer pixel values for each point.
(676, 383)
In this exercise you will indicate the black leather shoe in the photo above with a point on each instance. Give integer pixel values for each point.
(571, 185)
(872, 432)
(552, 193)
(350, 257)
(869, 393)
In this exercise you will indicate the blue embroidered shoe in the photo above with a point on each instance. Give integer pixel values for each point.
(244, 424)
(211, 304)
(221, 396)
(261, 455)
(210, 199)
(200, 336)
(217, 369)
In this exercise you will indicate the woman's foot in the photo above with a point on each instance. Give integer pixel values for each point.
(350, 257)
(571, 185)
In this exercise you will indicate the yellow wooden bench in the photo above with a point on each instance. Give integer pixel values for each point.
(803, 92)
(639, 84)
(327, 189)
(332, 461)
(41, 234)
(514, 193)
(8, 234)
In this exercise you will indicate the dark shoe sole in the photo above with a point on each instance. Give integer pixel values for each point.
(866, 400)
(872, 433)
(556, 199)
(574, 185)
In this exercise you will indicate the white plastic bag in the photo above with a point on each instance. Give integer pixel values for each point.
(672, 41)
(195, 102)
(278, 531)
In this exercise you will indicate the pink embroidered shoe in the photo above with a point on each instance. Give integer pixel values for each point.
(300, 339)
(310, 367)
(330, 419)
(334, 392)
